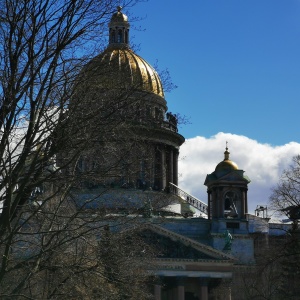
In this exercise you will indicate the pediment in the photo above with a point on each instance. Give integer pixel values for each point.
(234, 176)
(171, 245)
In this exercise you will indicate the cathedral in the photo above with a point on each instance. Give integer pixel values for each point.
(204, 244)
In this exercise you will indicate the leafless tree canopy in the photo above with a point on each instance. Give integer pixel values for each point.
(41, 53)
(285, 197)
(276, 275)
(50, 249)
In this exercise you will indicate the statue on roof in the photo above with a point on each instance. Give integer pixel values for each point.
(228, 240)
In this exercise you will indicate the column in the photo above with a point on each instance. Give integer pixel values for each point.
(163, 168)
(214, 204)
(227, 289)
(219, 201)
(157, 288)
(180, 292)
(208, 205)
(170, 167)
(152, 167)
(246, 201)
(157, 169)
(243, 204)
(175, 166)
(203, 289)
(157, 292)
(227, 294)
(180, 288)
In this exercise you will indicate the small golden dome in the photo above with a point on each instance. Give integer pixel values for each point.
(119, 16)
(226, 165)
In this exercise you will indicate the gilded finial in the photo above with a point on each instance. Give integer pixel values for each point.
(119, 8)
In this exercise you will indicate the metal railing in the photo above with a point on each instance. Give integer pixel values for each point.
(193, 201)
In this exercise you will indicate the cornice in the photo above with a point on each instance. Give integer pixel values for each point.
(235, 236)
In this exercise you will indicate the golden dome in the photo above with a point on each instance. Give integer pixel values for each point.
(122, 68)
(226, 165)
(119, 16)
(118, 67)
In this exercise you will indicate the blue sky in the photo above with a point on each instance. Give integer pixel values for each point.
(237, 67)
(236, 64)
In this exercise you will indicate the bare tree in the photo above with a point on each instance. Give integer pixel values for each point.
(48, 244)
(275, 276)
(285, 197)
(40, 43)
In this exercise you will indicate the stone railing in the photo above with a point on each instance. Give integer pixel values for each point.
(193, 201)
(170, 126)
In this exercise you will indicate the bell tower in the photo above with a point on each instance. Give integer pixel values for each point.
(227, 190)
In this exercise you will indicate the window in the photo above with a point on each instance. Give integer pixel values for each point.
(230, 210)
(120, 36)
(112, 36)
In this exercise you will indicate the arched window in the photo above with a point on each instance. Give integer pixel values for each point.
(230, 203)
(120, 36)
(113, 36)
(126, 37)
(227, 203)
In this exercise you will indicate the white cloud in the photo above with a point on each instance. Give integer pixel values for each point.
(262, 163)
